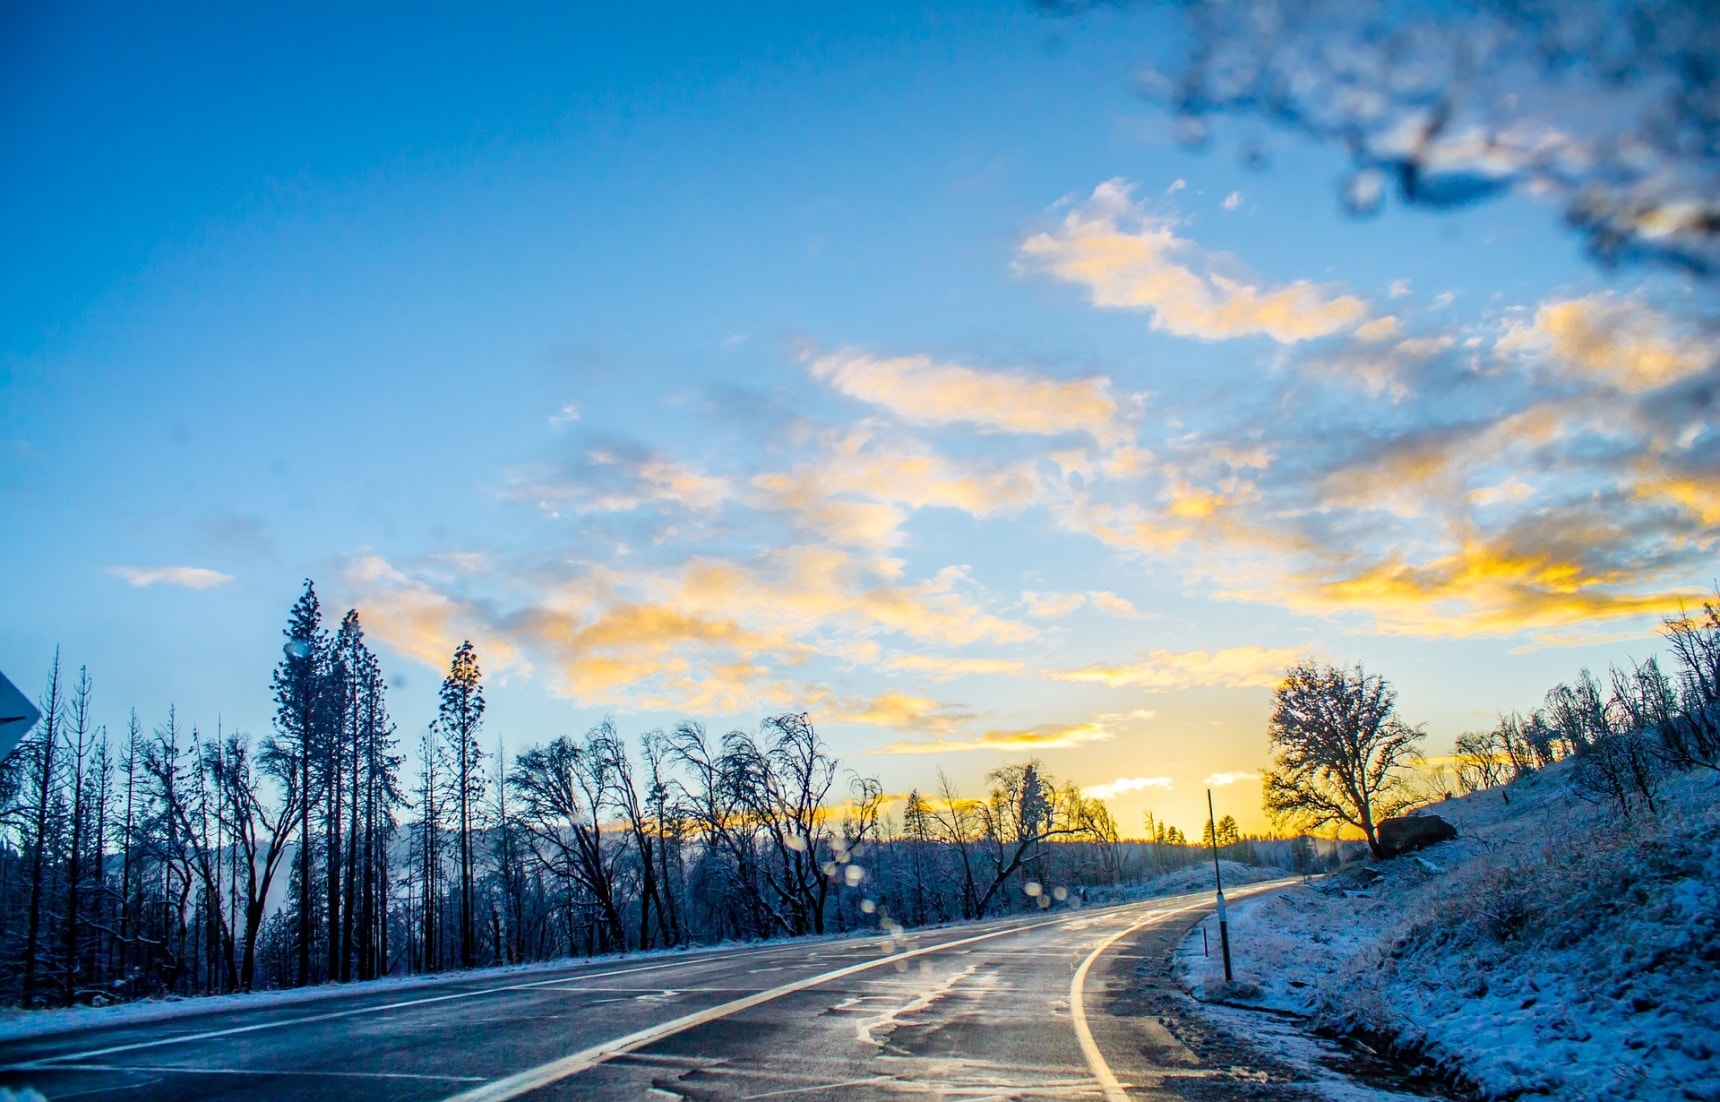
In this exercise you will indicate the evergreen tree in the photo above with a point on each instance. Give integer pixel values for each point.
(460, 714)
(300, 707)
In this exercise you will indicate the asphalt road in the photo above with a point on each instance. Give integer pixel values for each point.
(1029, 1007)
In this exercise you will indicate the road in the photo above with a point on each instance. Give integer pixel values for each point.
(1036, 1006)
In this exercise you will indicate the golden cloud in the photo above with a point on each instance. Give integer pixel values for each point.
(1050, 736)
(900, 711)
(1483, 588)
(416, 620)
(1130, 259)
(1615, 340)
(923, 391)
(860, 487)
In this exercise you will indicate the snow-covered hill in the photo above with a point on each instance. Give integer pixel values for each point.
(1551, 951)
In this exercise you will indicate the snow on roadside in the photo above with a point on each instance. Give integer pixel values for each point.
(1547, 951)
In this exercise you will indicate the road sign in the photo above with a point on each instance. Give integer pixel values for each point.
(17, 716)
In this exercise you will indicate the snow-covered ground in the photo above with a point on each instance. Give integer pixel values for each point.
(1548, 952)
(1190, 878)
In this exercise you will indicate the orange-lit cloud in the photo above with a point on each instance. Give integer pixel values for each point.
(412, 617)
(896, 710)
(711, 635)
(1483, 587)
(1615, 340)
(1048, 736)
(861, 485)
(1128, 258)
(922, 391)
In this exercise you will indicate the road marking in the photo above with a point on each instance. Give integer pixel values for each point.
(556, 1070)
(1108, 1083)
(174, 1069)
(46, 1063)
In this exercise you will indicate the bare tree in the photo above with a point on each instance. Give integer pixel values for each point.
(1480, 762)
(1692, 738)
(1339, 750)
(43, 778)
(80, 741)
(1025, 809)
(259, 836)
(563, 789)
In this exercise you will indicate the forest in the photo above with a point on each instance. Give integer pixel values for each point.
(169, 860)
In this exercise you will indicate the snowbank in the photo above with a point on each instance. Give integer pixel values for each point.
(1548, 951)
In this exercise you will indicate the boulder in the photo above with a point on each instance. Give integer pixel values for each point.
(1413, 832)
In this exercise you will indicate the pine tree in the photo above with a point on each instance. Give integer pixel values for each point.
(461, 713)
(300, 707)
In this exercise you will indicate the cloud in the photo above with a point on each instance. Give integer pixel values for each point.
(1615, 340)
(1055, 606)
(946, 669)
(1050, 736)
(617, 480)
(1112, 605)
(413, 618)
(922, 391)
(1130, 259)
(1490, 586)
(901, 711)
(1163, 671)
(566, 415)
(1380, 329)
(862, 483)
(187, 577)
(1219, 780)
(1124, 784)
(711, 635)
(1232, 201)
(1052, 606)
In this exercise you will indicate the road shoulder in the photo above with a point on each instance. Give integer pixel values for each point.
(1164, 1044)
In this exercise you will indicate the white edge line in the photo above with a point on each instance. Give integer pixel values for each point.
(48, 1063)
(1108, 1083)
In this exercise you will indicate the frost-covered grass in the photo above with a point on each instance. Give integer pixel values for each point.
(1548, 952)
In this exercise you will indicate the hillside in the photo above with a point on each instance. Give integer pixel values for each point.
(1551, 951)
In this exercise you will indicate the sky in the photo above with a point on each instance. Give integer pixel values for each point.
(885, 362)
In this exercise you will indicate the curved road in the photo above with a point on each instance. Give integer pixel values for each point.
(1021, 1008)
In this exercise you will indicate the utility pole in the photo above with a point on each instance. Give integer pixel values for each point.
(1218, 879)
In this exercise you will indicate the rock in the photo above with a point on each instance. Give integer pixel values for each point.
(1413, 832)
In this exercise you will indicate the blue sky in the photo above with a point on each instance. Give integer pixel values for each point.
(885, 362)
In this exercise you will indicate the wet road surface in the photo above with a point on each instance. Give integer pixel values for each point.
(1059, 1005)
